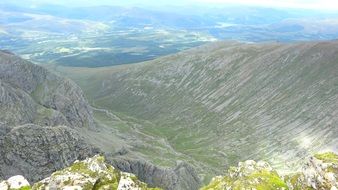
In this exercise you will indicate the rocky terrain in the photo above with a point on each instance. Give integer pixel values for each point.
(182, 176)
(36, 151)
(46, 124)
(35, 107)
(227, 100)
(91, 173)
(319, 172)
(248, 175)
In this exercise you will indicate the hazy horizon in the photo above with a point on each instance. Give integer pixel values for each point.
(319, 5)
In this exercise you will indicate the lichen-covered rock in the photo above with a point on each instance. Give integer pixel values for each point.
(247, 176)
(35, 151)
(15, 183)
(91, 173)
(319, 172)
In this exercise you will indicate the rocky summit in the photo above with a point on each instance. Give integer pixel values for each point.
(320, 172)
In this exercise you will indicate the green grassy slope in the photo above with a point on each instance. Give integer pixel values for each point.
(221, 103)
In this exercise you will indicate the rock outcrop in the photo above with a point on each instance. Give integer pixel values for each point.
(183, 176)
(91, 173)
(320, 172)
(35, 151)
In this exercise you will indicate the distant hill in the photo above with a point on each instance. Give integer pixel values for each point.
(101, 36)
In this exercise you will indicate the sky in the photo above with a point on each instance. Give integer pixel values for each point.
(305, 4)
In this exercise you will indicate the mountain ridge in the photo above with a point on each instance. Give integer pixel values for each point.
(280, 96)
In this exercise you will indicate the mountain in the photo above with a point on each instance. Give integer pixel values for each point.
(46, 124)
(227, 101)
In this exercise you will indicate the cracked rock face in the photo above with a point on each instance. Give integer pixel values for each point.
(34, 106)
(17, 107)
(183, 176)
(34, 95)
(35, 151)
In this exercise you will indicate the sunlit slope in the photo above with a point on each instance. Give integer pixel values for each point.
(226, 102)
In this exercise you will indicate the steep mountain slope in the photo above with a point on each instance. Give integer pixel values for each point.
(35, 95)
(225, 102)
(35, 107)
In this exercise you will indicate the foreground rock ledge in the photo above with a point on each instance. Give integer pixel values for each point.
(92, 173)
(320, 172)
